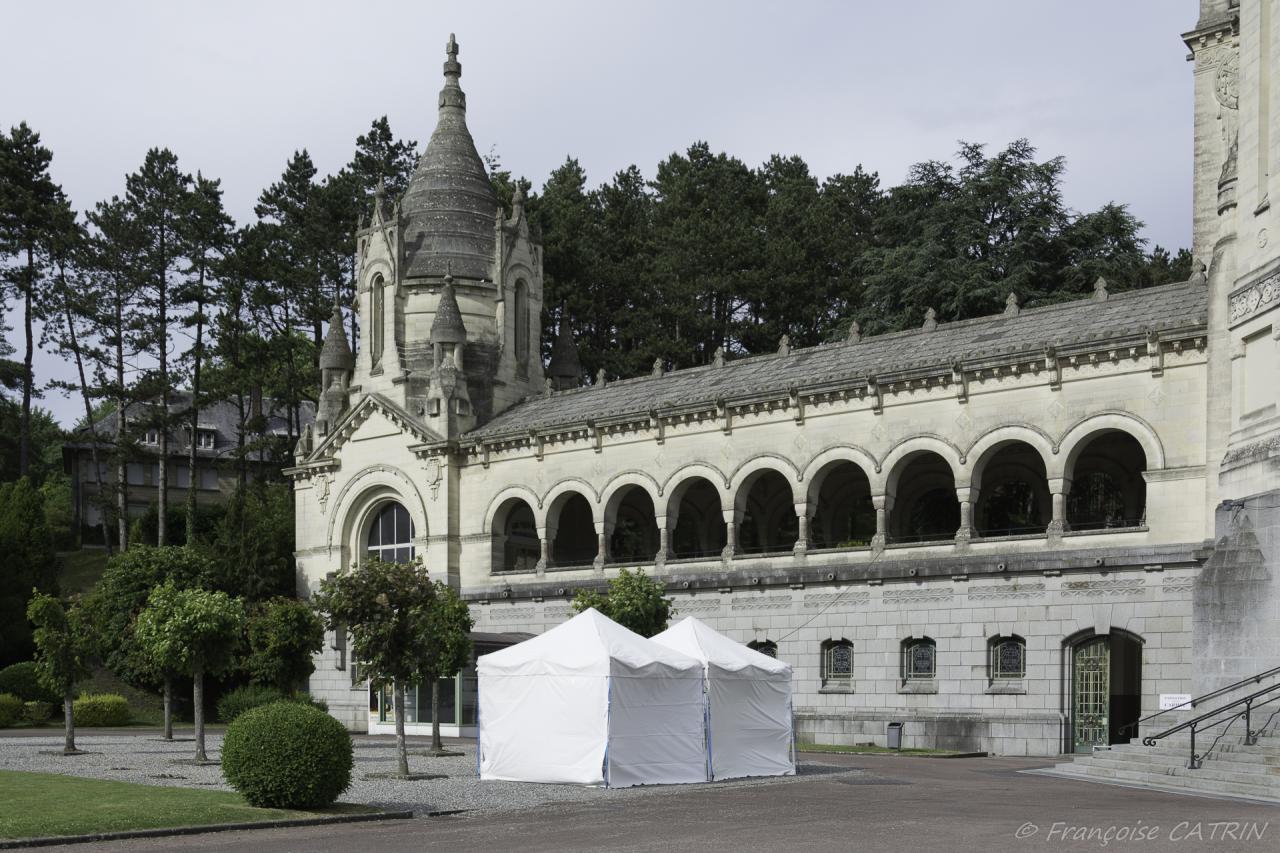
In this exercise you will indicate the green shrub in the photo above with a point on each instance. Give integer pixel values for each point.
(308, 699)
(20, 679)
(37, 713)
(287, 755)
(236, 702)
(103, 709)
(10, 710)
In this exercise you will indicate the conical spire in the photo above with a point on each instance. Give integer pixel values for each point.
(565, 368)
(449, 205)
(447, 327)
(335, 354)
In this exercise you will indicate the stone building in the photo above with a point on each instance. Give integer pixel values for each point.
(1011, 533)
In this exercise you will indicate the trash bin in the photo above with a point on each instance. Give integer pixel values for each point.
(895, 735)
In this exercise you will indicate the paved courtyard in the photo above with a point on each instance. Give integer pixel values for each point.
(839, 802)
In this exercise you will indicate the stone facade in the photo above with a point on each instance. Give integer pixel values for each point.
(1044, 482)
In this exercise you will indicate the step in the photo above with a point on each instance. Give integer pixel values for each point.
(1155, 755)
(1251, 774)
(1189, 783)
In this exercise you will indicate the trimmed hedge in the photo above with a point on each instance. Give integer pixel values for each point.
(21, 680)
(251, 696)
(10, 710)
(37, 713)
(101, 710)
(287, 755)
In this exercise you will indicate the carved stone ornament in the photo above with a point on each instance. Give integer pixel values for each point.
(433, 475)
(1245, 303)
(1226, 85)
(321, 490)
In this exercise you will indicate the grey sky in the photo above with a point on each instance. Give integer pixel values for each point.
(235, 87)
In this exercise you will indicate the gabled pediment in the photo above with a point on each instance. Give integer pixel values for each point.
(373, 417)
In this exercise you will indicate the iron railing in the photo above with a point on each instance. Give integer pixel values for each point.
(1253, 679)
(1226, 714)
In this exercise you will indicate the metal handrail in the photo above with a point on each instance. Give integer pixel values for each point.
(1253, 679)
(1206, 721)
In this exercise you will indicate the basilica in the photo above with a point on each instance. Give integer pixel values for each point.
(1014, 534)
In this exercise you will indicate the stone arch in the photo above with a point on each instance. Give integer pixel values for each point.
(507, 494)
(983, 448)
(811, 473)
(569, 484)
(683, 475)
(512, 526)
(625, 479)
(1079, 433)
(838, 499)
(762, 462)
(900, 454)
(765, 490)
(571, 522)
(369, 487)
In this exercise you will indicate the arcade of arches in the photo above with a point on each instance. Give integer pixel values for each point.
(1009, 494)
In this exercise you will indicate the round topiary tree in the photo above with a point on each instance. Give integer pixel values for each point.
(287, 755)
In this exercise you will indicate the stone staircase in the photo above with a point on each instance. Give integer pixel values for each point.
(1231, 769)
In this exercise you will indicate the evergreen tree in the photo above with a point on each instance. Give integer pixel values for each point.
(29, 564)
(29, 202)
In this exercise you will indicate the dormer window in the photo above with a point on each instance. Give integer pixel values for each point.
(206, 439)
(152, 437)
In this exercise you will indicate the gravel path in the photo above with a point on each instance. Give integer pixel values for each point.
(147, 759)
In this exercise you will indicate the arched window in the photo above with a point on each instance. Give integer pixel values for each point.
(764, 647)
(391, 535)
(837, 664)
(1107, 486)
(375, 321)
(521, 318)
(1007, 657)
(919, 659)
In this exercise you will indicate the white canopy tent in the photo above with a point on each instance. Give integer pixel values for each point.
(749, 721)
(591, 703)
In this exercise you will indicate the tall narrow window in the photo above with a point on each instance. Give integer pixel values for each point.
(837, 664)
(522, 322)
(1008, 658)
(919, 659)
(375, 321)
(391, 535)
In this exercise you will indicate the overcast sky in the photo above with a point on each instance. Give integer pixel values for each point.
(234, 88)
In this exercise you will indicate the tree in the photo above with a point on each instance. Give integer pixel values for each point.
(252, 550)
(205, 230)
(29, 562)
(195, 632)
(449, 639)
(634, 600)
(284, 635)
(388, 610)
(64, 641)
(156, 201)
(28, 215)
(122, 593)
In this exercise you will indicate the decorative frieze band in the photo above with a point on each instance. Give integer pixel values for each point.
(823, 599)
(1090, 589)
(762, 602)
(1255, 298)
(906, 595)
(1006, 591)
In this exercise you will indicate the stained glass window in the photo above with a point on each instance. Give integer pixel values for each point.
(391, 535)
(765, 647)
(1008, 658)
(837, 662)
(919, 659)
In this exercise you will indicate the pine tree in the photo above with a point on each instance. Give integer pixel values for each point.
(28, 213)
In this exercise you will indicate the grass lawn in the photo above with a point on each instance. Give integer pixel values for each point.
(868, 749)
(79, 571)
(44, 804)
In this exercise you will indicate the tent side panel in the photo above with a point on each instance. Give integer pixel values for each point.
(543, 728)
(657, 732)
(750, 726)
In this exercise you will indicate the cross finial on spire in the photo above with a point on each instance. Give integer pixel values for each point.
(452, 48)
(381, 189)
(448, 271)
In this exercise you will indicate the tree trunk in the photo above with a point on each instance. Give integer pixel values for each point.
(122, 468)
(195, 417)
(69, 723)
(74, 340)
(24, 429)
(168, 707)
(436, 745)
(402, 751)
(162, 487)
(197, 698)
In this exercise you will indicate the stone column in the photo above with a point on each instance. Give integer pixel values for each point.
(546, 536)
(881, 538)
(730, 534)
(602, 548)
(967, 496)
(1059, 488)
(664, 543)
(802, 536)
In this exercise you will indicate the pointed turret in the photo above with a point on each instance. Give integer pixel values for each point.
(336, 365)
(447, 327)
(449, 204)
(448, 408)
(565, 368)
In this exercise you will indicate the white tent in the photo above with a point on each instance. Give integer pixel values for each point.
(749, 722)
(592, 703)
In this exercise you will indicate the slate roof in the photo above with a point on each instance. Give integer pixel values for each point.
(336, 352)
(222, 417)
(1171, 307)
